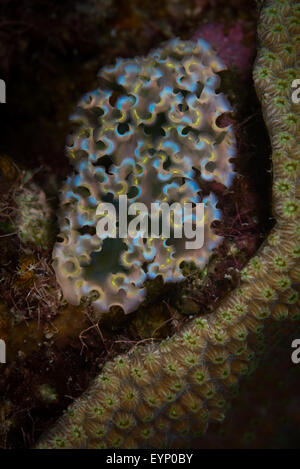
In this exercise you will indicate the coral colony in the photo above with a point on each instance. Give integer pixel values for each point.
(147, 136)
(155, 118)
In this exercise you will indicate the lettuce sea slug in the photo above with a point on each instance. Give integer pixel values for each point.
(150, 133)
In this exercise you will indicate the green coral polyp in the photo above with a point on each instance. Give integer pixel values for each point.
(199, 377)
(291, 208)
(60, 443)
(125, 422)
(283, 187)
(191, 360)
(227, 317)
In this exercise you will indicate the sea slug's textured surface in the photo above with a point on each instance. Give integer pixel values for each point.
(162, 396)
(147, 134)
